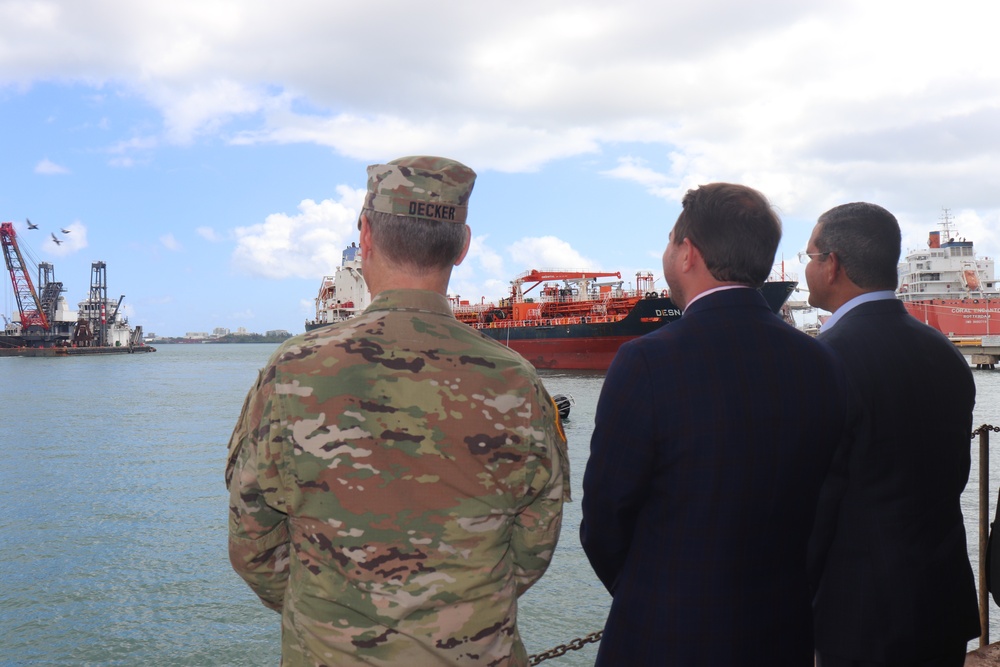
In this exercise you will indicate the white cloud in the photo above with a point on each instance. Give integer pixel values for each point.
(209, 234)
(303, 245)
(813, 103)
(546, 252)
(123, 153)
(71, 242)
(170, 243)
(48, 168)
(488, 145)
(204, 108)
(482, 273)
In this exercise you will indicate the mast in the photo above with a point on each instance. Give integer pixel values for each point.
(97, 303)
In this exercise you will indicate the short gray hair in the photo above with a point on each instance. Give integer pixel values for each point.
(419, 244)
(866, 239)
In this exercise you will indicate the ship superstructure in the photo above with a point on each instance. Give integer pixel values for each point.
(344, 294)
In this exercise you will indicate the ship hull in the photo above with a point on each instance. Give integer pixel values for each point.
(568, 353)
(959, 318)
(578, 344)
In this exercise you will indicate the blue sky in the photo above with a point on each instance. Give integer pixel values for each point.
(213, 152)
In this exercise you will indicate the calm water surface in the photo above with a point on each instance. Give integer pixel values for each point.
(113, 547)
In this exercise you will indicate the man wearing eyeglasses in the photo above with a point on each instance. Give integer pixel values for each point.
(888, 555)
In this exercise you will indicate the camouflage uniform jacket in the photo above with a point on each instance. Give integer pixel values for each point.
(396, 482)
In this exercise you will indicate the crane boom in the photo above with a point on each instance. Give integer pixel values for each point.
(28, 304)
(539, 276)
(536, 277)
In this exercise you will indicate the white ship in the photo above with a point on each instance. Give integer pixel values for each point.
(344, 294)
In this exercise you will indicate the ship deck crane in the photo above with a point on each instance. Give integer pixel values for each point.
(28, 304)
(537, 277)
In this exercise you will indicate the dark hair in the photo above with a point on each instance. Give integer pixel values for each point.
(420, 244)
(866, 239)
(734, 228)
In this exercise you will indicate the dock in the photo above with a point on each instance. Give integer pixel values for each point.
(983, 352)
(71, 351)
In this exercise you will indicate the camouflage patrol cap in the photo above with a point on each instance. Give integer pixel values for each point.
(422, 186)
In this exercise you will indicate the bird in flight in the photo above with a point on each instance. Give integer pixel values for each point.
(31, 225)
(64, 231)
(58, 242)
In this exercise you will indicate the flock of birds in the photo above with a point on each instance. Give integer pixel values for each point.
(55, 238)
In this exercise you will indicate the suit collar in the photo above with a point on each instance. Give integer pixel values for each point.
(745, 296)
(720, 288)
(867, 297)
(881, 307)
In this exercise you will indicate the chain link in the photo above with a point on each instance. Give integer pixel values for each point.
(574, 645)
(986, 428)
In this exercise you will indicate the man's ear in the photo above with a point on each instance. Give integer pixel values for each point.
(366, 236)
(689, 255)
(833, 268)
(465, 248)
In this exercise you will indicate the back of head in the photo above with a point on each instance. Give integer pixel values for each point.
(417, 207)
(866, 239)
(734, 228)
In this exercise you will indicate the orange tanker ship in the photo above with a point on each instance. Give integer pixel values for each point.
(577, 322)
(574, 321)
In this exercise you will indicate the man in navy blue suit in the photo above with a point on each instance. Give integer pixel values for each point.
(889, 555)
(712, 439)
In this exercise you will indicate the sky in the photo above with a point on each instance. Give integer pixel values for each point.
(212, 152)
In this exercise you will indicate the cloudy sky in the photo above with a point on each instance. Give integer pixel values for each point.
(213, 152)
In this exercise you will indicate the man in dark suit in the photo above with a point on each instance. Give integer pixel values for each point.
(894, 582)
(712, 438)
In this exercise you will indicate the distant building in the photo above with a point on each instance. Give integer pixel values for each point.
(241, 331)
(219, 332)
(196, 335)
(278, 333)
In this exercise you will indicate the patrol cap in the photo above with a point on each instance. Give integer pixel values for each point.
(421, 186)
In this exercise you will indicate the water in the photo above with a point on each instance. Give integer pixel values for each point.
(113, 529)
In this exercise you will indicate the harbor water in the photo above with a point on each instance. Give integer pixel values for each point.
(113, 547)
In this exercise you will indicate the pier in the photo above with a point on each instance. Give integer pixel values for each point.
(983, 352)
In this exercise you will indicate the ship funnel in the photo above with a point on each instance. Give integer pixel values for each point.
(935, 240)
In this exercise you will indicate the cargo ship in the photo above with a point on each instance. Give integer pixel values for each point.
(44, 326)
(948, 287)
(574, 321)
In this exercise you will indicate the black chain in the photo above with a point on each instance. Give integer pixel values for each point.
(574, 645)
(986, 428)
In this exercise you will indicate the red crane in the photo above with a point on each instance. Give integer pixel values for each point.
(537, 277)
(28, 304)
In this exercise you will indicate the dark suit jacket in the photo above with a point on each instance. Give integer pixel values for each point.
(712, 438)
(897, 582)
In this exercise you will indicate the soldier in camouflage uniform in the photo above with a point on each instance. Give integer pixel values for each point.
(396, 480)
